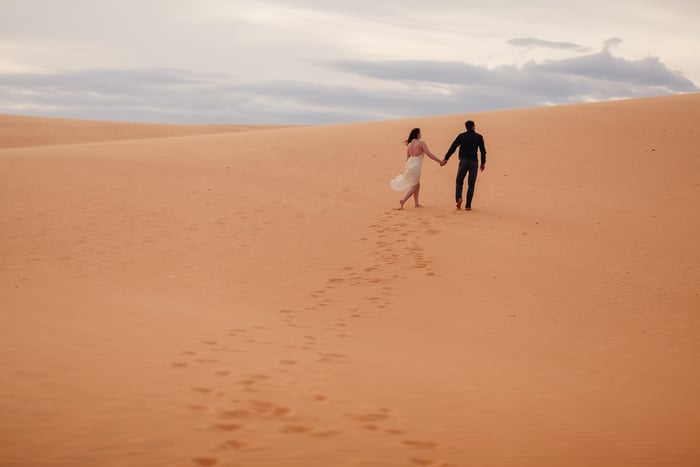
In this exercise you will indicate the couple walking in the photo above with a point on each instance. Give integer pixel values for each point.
(468, 142)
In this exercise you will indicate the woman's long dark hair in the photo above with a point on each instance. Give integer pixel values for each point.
(413, 135)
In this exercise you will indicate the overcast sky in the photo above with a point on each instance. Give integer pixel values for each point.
(326, 61)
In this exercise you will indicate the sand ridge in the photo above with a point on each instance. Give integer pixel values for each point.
(23, 131)
(253, 298)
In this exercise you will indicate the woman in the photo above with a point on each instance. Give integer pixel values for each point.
(410, 178)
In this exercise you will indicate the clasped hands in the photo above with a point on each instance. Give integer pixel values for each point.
(444, 161)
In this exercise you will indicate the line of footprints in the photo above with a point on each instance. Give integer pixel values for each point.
(239, 410)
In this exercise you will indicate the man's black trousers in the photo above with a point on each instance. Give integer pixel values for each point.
(471, 168)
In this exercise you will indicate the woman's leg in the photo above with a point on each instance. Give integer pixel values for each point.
(415, 195)
(408, 194)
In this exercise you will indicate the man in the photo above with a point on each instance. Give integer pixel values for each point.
(469, 142)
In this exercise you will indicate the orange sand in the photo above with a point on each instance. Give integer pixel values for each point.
(251, 298)
(20, 131)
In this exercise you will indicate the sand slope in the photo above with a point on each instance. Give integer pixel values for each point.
(20, 131)
(253, 299)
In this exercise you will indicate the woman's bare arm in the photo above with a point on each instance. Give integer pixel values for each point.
(430, 154)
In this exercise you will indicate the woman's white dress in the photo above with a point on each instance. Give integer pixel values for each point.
(411, 174)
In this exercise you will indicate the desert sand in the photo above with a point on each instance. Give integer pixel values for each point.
(178, 295)
(23, 131)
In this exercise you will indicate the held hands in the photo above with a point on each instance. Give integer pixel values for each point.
(444, 161)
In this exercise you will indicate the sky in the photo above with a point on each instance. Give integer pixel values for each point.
(328, 62)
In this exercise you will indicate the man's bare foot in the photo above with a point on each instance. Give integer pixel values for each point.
(468, 208)
(459, 203)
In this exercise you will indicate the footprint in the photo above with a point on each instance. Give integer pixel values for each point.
(280, 412)
(295, 429)
(371, 417)
(240, 413)
(232, 443)
(332, 357)
(419, 461)
(227, 427)
(421, 444)
(268, 409)
(205, 461)
(325, 434)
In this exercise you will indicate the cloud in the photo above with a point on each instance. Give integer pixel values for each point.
(383, 90)
(604, 67)
(611, 43)
(414, 70)
(532, 42)
(595, 73)
(172, 95)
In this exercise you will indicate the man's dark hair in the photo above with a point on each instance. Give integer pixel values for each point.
(469, 124)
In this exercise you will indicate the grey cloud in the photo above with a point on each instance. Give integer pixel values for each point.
(532, 42)
(408, 89)
(611, 43)
(604, 66)
(110, 81)
(162, 95)
(594, 72)
(414, 70)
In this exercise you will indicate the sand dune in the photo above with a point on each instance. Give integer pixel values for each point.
(20, 131)
(252, 298)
